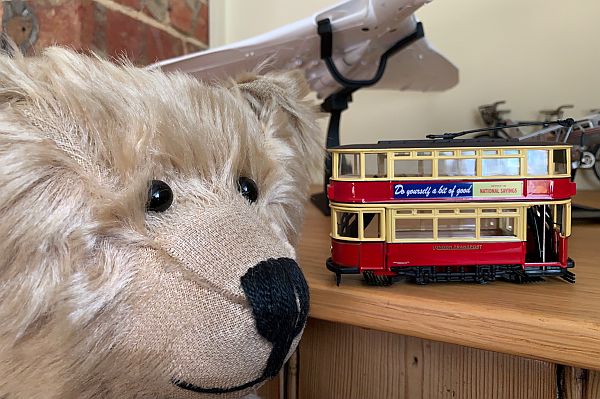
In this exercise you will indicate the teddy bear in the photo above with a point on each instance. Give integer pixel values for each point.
(147, 228)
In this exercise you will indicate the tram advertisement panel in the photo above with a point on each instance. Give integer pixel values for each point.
(458, 189)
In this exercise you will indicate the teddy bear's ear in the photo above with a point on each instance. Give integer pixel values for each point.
(278, 100)
(262, 88)
(273, 92)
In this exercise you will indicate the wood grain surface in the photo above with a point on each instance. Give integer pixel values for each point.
(270, 390)
(552, 320)
(575, 383)
(581, 384)
(592, 386)
(339, 361)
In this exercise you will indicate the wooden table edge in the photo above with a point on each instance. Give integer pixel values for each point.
(560, 340)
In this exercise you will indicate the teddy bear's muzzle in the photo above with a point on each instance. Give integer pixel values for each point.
(278, 295)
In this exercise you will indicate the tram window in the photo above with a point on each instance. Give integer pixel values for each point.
(467, 210)
(500, 167)
(456, 228)
(511, 152)
(445, 210)
(497, 227)
(371, 225)
(467, 152)
(414, 228)
(446, 153)
(423, 153)
(488, 210)
(404, 211)
(376, 165)
(510, 210)
(424, 211)
(490, 152)
(402, 154)
(560, 162)
(412, 168)
(347, 224)
(349, 165)
(537, 162)
(457, 167)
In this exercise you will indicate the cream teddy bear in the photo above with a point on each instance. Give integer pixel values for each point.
(147, 229)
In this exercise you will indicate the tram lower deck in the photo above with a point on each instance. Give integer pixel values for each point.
(452, 241)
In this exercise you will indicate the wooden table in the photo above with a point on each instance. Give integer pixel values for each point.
(452, 340)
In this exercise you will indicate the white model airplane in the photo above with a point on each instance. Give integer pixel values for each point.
(362, 31)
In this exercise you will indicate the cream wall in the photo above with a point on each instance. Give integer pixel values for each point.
(535, 54)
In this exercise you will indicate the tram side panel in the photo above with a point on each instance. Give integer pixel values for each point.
(379, 256)
(455, 254)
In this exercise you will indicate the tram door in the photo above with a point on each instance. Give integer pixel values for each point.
(543, 233)
(366, 226)
(372, 254)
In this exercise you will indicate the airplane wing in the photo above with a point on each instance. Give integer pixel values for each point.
(362, 31)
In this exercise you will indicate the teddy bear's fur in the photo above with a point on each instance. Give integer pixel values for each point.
(101, 298)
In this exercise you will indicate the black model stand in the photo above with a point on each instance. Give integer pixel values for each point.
(337, 102)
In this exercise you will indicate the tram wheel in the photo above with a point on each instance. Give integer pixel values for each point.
(423, 276)
(378, 280)
(484, 275)
(513, 277)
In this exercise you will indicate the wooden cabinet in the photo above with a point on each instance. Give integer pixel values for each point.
(340, 361)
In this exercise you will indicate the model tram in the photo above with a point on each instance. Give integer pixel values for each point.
(451, 210)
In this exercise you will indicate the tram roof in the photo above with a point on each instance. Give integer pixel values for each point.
(445, 143)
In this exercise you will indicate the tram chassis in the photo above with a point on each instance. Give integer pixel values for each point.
(481, 274)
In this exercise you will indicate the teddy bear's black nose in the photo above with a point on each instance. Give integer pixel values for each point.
(278, 295)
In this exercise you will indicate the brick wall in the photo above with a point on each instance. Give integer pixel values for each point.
(143, 30)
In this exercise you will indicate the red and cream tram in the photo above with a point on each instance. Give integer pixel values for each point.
(451, 210)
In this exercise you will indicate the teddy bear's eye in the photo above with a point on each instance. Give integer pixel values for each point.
(160, 196)
(247, 187)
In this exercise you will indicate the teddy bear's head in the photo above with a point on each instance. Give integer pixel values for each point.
(147, 229)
